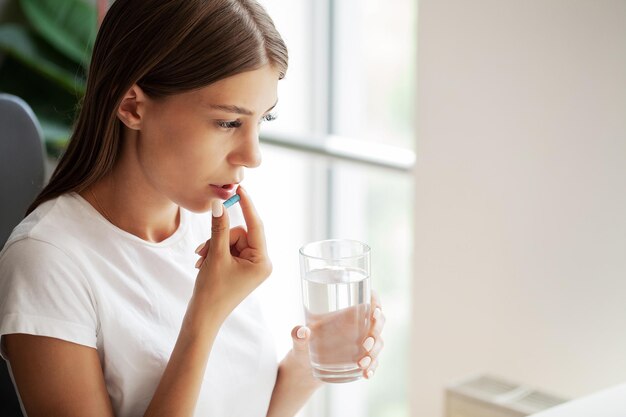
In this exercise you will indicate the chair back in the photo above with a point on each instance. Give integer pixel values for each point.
(22, 166)
(22, 176)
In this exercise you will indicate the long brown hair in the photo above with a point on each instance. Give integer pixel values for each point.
(166, 47)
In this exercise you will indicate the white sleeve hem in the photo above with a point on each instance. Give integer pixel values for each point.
(45, 326)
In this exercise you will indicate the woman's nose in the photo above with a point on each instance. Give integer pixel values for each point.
(248, 153)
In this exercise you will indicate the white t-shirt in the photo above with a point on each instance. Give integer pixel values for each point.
(68, 273)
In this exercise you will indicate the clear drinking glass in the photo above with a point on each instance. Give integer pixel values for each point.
(336, 295)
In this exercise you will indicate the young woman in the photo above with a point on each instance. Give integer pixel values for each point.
(102, 312)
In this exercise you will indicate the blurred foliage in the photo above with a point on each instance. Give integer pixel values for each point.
(45, 48)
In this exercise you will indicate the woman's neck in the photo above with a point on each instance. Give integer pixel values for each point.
(127, 200)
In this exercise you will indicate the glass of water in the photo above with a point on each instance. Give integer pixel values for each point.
(336, 295)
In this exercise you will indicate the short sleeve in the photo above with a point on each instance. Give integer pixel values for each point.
(43, 292)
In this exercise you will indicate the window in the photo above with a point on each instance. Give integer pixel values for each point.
(337, 163)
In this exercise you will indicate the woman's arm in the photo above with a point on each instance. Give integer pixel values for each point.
(178, 390)
(235, 263)
(60, 378)
(57, 378)
(295, 382)
(289, 396)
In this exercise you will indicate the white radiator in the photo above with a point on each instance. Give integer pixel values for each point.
(489, 396)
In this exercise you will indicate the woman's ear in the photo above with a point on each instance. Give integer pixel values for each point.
(132, 107)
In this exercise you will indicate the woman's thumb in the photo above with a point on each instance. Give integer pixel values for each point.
(220, 235)
(300, 336)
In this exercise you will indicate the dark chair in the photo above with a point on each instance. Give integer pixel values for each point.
(22, 176)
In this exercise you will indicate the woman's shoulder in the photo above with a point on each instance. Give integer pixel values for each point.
(28, 264)
(51, 223)
(40, 249)
(43, 290)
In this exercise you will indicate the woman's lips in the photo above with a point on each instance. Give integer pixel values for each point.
(224, 192)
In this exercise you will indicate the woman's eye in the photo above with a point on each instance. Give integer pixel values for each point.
(233, 124)
(268, 117)
(229, 124)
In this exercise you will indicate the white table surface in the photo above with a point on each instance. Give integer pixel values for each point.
(610, 402)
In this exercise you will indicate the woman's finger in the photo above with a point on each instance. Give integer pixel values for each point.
(377, 325)
(374, 349)
(200, 247)
(256, 234)
(369, 372)
(375, 301)
(238, 240)
(365, 361)
(205, 249)
(301, 336)
(220, 236)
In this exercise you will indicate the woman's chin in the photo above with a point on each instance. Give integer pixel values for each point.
(197, 205)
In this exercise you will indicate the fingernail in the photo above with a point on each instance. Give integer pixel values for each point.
(303, 332)
(198, 263)
(377, 313)
(364, 363)
(217, 208)
(200, 247)
(370, 373)
(369, 343)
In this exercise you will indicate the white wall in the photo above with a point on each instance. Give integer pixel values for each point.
(520, 195)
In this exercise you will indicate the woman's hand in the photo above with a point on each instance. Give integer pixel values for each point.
(373, 343)
(234, 261)
(298, 358)
(295, 382)
(296, 365)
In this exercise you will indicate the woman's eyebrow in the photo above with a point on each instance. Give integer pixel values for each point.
(236, 109)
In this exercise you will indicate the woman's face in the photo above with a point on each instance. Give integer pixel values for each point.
(193, 147)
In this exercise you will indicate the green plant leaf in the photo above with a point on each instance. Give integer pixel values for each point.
(31, 51)
(54, 107)
(69, 25)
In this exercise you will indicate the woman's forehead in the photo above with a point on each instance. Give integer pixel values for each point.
(246, 93)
